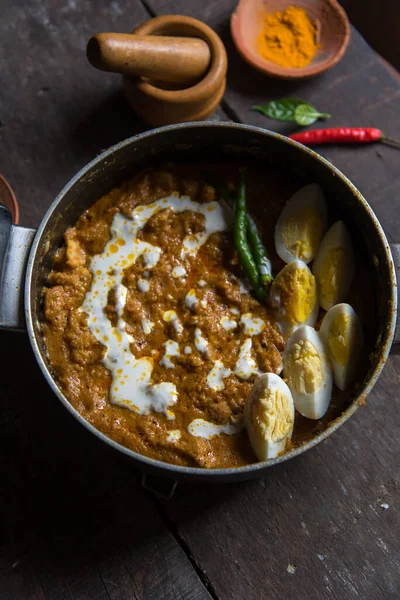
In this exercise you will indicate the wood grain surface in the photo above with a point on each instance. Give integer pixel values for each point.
(76, 523)
(378, 26)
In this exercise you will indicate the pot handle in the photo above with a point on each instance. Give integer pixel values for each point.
(395, 248)
(15, 243)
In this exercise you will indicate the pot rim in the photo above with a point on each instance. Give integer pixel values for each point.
(177, 471)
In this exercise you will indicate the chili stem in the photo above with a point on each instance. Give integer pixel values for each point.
(390, 141)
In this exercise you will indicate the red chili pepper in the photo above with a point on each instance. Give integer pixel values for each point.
(342, 135)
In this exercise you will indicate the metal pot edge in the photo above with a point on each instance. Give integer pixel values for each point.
(192, 473)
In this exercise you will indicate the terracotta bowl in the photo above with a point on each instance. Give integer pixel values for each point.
(7, 197)
(333, 30)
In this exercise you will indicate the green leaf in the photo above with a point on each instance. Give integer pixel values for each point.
(305, 114)
(281, 110)
(291, 109)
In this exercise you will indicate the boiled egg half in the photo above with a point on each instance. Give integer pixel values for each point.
(301, 225)
(294, 297)
(334, 266)
(308, 373)
(269, 416)
(343, 336)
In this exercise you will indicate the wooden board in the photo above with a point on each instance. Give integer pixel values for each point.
(76, 522)
(378, 26)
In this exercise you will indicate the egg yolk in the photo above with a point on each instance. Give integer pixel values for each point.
(303, 368)
(297, 293)
(332, 273)
(302, 233)
(272, 415)
(342, 332)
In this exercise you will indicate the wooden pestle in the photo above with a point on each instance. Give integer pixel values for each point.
(182, 60)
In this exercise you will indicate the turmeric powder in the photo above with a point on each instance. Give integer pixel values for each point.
(288, 38)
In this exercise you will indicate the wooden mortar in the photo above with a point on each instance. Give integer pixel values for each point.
(174, 67)
(180, 60)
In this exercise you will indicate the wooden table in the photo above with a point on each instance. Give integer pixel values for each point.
(76, 522)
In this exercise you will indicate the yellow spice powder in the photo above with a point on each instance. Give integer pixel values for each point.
(288, 38)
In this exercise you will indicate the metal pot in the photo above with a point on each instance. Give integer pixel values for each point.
(24, 250)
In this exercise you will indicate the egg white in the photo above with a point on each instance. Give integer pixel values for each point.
(310, 197)
(352, 338)
(282, 318)
(261, 438)
(336, 239)
(309, 380)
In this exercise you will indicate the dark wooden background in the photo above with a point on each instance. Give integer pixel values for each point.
(76, 523)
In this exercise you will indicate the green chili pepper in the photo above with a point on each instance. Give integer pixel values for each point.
(245, 256)
(259, 253)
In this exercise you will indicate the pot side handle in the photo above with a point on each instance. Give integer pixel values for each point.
(15, 243)
(395, 248)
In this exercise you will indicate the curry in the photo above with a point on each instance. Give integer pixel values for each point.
(151, 330)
